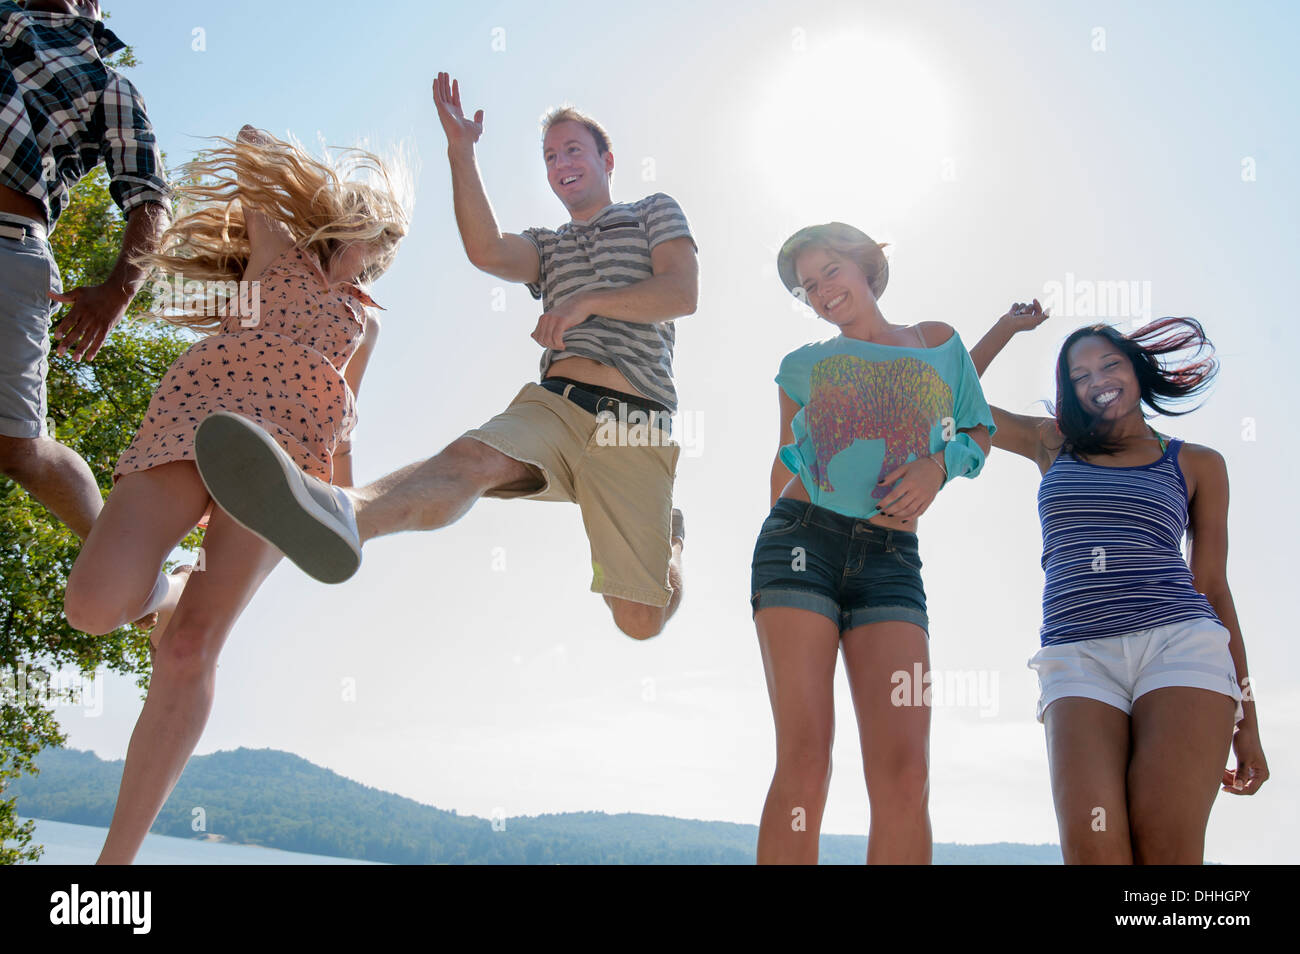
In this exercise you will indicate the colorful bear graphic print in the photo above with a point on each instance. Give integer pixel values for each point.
(850, 399)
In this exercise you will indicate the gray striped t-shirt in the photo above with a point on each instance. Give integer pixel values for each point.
(610, 250)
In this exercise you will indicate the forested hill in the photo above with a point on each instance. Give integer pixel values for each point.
(278, 800)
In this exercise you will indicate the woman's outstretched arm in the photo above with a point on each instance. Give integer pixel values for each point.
(1033, 437)
(1208, 558)
(1019, 317)
(1022, 434)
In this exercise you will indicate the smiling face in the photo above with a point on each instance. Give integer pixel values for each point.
(835, 286)
(1102, 378)
(578, 173)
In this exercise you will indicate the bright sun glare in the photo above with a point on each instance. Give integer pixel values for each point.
(856, 112)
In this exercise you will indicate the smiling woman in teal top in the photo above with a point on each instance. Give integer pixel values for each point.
(874, 422)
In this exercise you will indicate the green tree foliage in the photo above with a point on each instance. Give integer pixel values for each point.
(95, 409)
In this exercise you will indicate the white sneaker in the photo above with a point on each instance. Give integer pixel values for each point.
(251, 478)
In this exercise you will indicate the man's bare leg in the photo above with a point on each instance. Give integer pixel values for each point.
(56, 476)
(323, 528)
(438, 491)
(325, 534)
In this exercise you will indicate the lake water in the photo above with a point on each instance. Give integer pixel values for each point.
(67, 844)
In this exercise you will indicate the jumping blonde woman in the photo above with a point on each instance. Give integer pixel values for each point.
(290, 358)
(1142, 663)
(874, 422)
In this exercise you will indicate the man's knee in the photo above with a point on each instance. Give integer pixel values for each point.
(637, 620)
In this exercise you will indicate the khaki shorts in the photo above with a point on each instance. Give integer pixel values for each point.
(620, 477)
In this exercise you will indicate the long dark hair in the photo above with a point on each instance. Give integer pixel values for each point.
(1160, 382)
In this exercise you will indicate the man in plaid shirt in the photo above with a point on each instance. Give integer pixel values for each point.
(62, 112)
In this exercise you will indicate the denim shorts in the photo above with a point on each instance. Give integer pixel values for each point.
(850, 571)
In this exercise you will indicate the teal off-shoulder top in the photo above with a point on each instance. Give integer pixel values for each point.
(866, 409)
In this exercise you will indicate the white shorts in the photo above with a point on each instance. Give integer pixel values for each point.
(1118, 669)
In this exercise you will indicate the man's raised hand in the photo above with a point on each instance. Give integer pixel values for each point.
(460, 131)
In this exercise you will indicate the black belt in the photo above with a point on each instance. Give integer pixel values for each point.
(596, 399)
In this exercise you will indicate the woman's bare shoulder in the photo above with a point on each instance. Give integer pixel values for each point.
(936, 332)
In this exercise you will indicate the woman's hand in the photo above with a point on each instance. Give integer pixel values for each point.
(917, 485)
(1023, 317)
(1252, 770)
(1019, 317)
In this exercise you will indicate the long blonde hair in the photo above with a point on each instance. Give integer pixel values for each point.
(350, 197)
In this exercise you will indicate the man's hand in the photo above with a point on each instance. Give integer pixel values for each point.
(552, 325)
(461, 132)
(96, 310)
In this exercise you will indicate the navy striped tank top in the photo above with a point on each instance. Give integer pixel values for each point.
(1112, 549)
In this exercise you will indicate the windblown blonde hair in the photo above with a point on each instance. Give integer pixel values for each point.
(350, 197)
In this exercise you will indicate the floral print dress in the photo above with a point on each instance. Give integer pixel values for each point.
(284, 372)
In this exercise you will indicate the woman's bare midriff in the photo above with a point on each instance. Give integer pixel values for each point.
(795, 490)
(590, 372)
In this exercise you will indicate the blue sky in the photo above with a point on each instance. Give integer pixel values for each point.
(999, 149)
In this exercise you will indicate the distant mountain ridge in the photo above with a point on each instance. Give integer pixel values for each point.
(280, 800)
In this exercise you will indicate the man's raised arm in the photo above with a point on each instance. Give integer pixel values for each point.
(507, 256)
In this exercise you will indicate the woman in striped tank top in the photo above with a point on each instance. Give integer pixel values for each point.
(1142, 662)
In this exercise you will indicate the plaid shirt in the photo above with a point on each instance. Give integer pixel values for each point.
(62, 112)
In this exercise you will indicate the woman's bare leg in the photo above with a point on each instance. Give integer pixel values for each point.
(147, 514)
(1181, 739)
(1088, 756)
(799, 649)
(895, 739)
(180, 690)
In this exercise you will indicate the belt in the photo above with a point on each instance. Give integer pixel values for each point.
(597, 400)
(19, 228)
